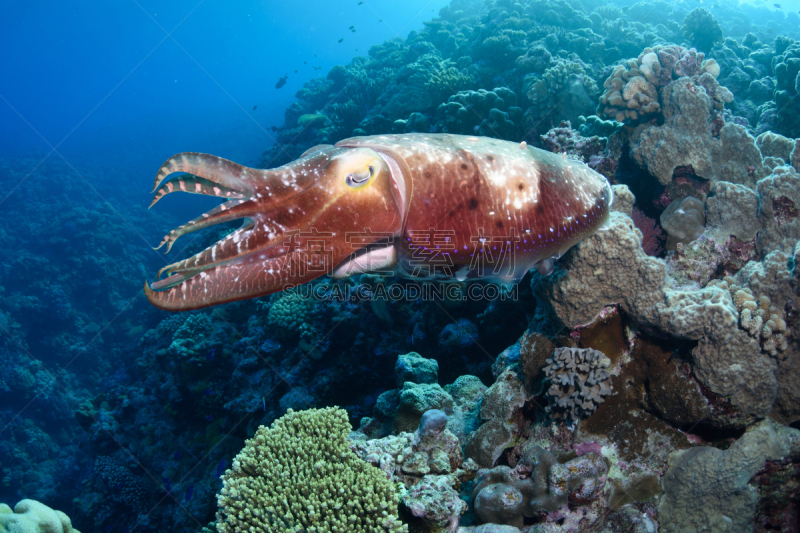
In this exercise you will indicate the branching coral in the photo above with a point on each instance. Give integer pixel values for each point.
(578, 382)
(300, 474)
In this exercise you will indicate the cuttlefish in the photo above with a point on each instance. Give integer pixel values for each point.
(423, 206)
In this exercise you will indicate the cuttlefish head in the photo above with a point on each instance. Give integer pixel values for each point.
(299, 221)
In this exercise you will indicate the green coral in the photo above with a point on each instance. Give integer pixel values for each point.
(300, 475)
(311, 120)
(291, 313)
(702, 29)
(192, 336)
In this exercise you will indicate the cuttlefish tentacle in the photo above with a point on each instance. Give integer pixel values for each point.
(222, 172)
(194, 185)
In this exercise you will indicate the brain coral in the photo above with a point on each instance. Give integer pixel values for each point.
(706, 489)
(30, 516)
(578, 378)
(300, 475)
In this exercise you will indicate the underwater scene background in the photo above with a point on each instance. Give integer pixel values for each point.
(651, 382)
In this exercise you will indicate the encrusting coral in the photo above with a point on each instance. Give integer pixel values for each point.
(300, 474)
(538, 484)
(706, 489)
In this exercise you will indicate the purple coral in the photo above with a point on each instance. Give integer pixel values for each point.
(652, 235)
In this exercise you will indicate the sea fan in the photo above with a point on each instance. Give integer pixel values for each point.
(652, 235)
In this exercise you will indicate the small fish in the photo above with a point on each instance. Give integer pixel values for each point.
(189, 494)
(273, 128)
(295, 71)
(255, 106)
(210, 355)
(305, 62)
(208, 418)
(208, 392)
(221, 467)
(351, 27)
(264, 404)
(168, 483)
(778, 6)
(281, 82)
(361, 2)
(342, 39)
(353, 30)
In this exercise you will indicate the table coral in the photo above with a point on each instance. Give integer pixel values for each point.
(300, 474)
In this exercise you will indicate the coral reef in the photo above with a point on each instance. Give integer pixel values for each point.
(634, 88)
(130, 419)
(611, 268)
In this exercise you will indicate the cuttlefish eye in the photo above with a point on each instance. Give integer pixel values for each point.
(355, 180)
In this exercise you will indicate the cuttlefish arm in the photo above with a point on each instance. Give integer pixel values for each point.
(293, 216)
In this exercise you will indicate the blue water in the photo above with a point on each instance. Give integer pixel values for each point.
(130, 83)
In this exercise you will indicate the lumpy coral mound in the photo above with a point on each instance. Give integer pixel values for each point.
(300, 475)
